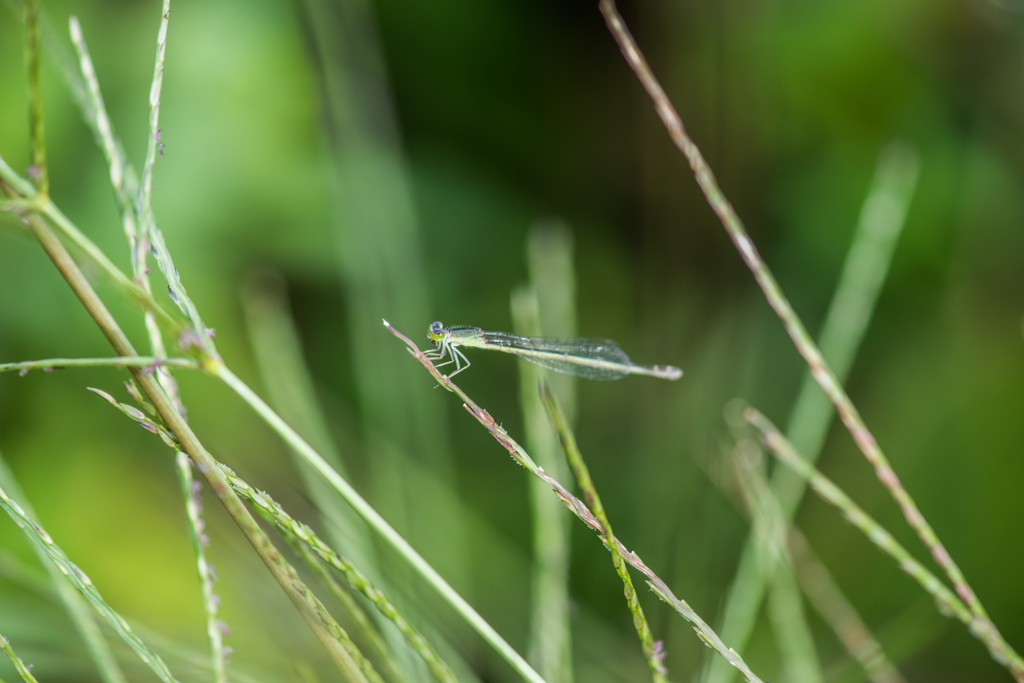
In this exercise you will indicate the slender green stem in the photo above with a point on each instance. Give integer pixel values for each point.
(948, 601)
(42, 540)
(820, 369)
(78, 610)
(580, 509)
(193, 508)
(653, 651)
(274, 513)
(48, 364)
(19, 665)
(38, 171)
(378, 523)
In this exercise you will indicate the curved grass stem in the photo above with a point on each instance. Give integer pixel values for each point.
(948, 602)
(19, 665)
(819, 368)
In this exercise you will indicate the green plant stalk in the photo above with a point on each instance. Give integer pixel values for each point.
(785, 609)
(579, 508)
(550, 646)
(275, 514)
(376, 522)
(948, 602)
(828, 601)
(195, 526)
(124, 362)
(820, 369)
(75, 605)
(314, 613)
(38, 536)
(655, 655)
(19, 665)
(35, 98)
(353, 608)
(881, 221)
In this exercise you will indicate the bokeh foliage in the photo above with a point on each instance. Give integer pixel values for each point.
(508, 113)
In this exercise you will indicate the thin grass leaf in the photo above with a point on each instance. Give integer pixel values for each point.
(38, 536)
(948, 603)
(94, 111)
(19, 665)
(37, 129)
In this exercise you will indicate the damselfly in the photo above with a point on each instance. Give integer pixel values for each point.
(587, 358)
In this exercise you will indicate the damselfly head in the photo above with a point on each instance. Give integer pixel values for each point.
(436, 332)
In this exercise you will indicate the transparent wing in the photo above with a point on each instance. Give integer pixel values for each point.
(586, 358)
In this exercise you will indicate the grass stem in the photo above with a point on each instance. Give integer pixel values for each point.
(652, 650)
(19, 665)
(819, 368)
(948, 602)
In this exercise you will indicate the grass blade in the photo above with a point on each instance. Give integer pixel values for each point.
(42, 540)
(948, 602)
(19, 665)
(76, 607)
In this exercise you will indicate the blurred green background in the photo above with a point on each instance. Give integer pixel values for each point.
(389, 160)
